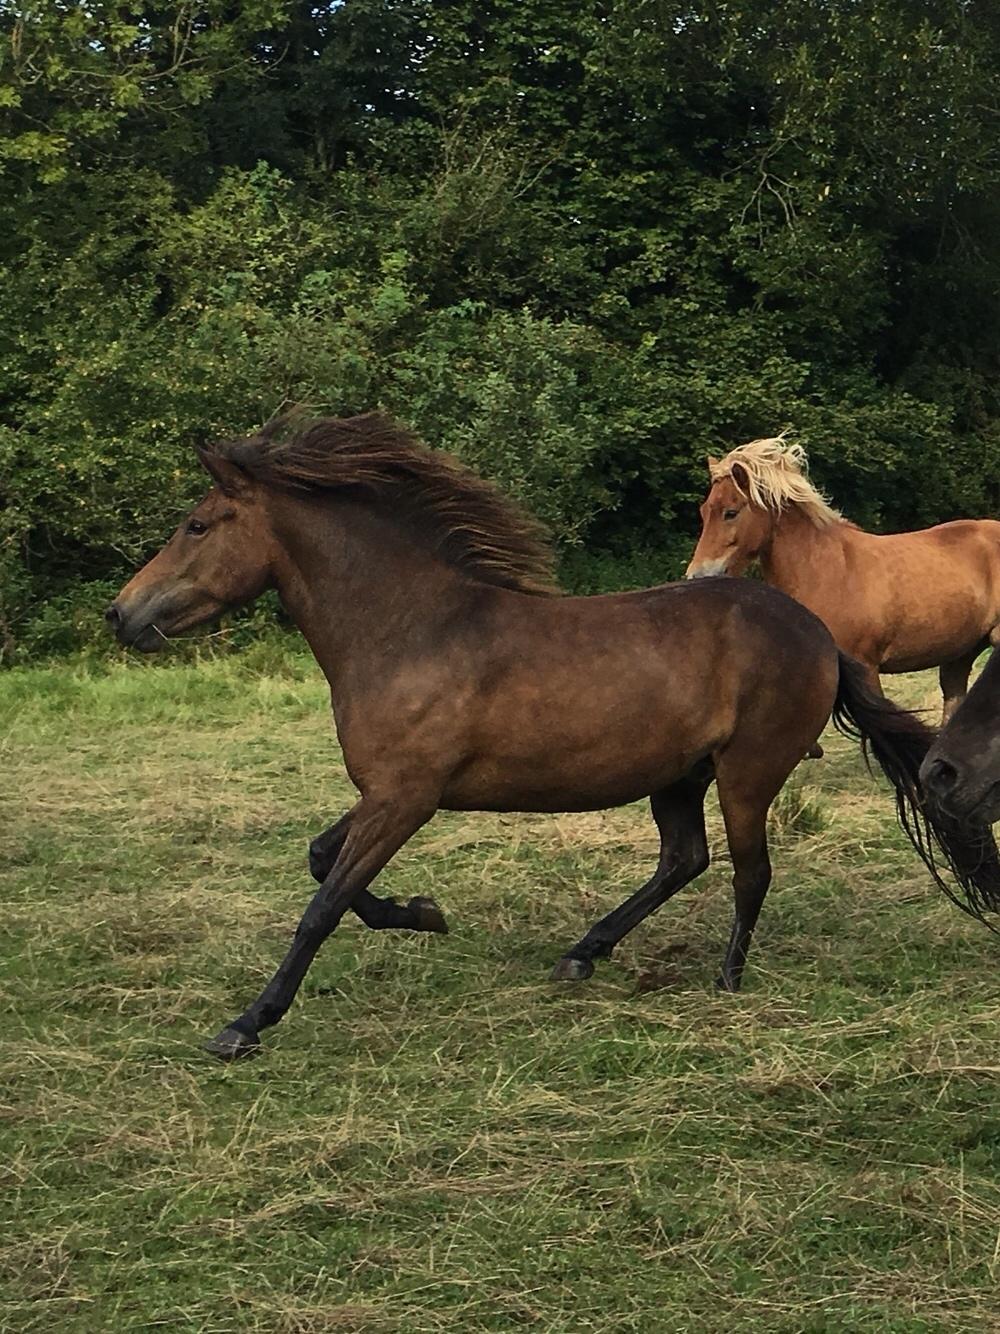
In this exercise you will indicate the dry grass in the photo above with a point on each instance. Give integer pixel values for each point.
(437, 1138)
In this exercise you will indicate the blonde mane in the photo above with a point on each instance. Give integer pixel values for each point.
(775, 478)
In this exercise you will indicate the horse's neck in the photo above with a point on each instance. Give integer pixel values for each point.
(799, 553)
(362, 593)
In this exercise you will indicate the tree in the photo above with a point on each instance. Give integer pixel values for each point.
(581, 244)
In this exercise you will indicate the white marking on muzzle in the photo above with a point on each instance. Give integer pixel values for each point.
(705, 569)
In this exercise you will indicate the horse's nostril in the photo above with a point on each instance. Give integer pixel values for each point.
(941, 776)
(113, 617)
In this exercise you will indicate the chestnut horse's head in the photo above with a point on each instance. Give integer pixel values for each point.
(220, 557)
(734, 530)
(751, 487)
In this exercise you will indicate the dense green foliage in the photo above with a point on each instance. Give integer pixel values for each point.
(581, 245)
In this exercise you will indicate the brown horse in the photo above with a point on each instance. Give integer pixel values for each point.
(896, 603)
(459, 681)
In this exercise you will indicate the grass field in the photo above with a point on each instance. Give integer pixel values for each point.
(438, 1138)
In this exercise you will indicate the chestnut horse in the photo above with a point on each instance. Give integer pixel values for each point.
(896, 603)
(459, 681)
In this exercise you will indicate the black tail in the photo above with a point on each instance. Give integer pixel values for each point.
(899, 741)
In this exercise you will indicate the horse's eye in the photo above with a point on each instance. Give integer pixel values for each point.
(730, 514)
(196, 527)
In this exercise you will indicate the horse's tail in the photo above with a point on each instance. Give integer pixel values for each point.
(899, 740)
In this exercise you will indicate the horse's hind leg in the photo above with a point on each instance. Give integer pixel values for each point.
(749, 778)
(680, 817)
(954, 678)
(420, 914)
(746, 832)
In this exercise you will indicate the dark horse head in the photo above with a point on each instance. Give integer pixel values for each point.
(961, 773)
(219, 558)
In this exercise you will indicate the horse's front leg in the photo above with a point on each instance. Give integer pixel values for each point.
(325, 848)
(419, 914)
(377, 829)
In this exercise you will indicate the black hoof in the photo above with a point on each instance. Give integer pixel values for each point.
(231, 1044)
(729, 984)
(569, 969)
(429, 916)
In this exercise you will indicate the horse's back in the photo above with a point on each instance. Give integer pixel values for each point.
(962, 531)
(958, 537)
(762, 617)
(906, 601)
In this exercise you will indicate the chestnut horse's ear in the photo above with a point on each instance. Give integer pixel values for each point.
(713, 466)
(741, 477)
(228, 477)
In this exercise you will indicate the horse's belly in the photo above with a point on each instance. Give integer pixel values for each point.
(565, 781)
(932, 652)
(951, 618)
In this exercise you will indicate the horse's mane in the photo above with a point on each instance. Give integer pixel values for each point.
(776, 477)
(466, 520)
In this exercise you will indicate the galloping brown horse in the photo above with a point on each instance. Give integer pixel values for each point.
(896, 603)
(459, 681)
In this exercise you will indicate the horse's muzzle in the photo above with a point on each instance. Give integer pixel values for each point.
(132, 631)
(960, 792)
(938, 777)
(706, 569)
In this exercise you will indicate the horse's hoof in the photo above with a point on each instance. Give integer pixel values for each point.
(815, 752)
(723, 983)
(231, 1044)
(429, 916)
(569, 969)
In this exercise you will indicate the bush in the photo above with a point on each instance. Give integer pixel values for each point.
(581, 247)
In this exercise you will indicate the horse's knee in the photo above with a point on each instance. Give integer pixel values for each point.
(325, 848)
(320, 860)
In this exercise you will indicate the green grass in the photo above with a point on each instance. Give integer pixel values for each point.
(437, 1138)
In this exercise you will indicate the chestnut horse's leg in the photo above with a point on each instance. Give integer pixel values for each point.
(377, 830)
(680, 817)
(954, 678)
(420, 914)
(874, 678)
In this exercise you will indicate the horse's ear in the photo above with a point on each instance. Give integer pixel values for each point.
(713, 466)
(741, 477)
(228, 477)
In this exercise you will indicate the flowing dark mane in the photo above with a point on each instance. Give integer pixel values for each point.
(467, 520)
